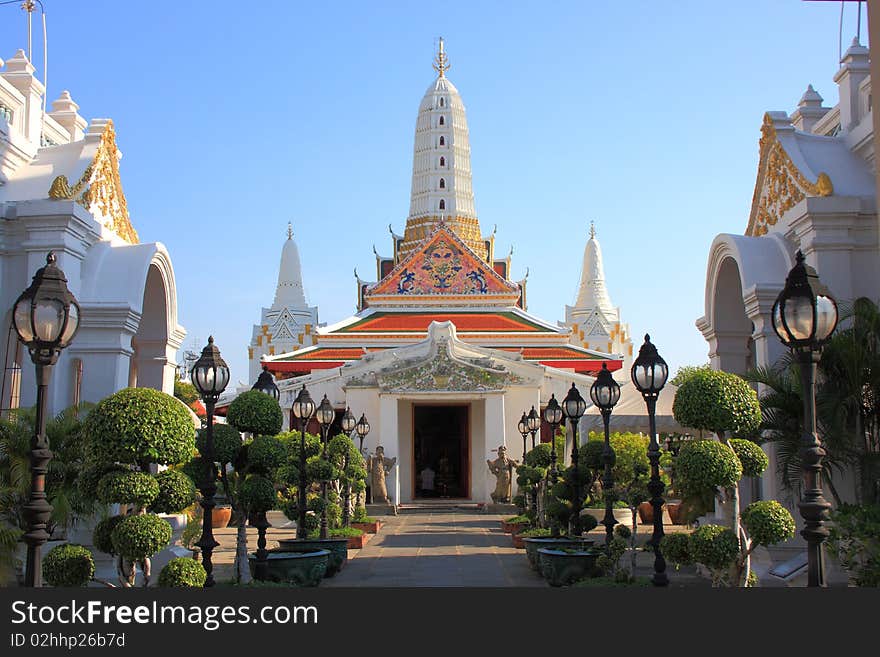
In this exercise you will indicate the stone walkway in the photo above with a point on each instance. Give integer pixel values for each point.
(438, 549)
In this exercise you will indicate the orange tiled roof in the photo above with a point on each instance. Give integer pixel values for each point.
(464, 321)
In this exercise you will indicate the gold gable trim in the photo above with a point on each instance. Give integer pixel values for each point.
(780, 185)
(100, 188)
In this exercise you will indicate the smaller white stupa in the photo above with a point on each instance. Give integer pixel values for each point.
(290, 323)
(593, 320)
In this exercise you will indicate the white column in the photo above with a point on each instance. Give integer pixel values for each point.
(389, 439)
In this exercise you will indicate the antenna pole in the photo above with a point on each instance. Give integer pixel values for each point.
(28, 6)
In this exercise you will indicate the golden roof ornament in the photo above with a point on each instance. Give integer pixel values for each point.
(289, 230)
(441, 64)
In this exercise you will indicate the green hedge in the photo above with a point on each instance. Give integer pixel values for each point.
(139, 426)
(255, 412)
(183, 572)
(68, 566)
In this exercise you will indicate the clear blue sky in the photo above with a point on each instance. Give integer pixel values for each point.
(237, 117)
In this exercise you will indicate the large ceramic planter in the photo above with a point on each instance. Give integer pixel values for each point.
(676, 513)
(563, 543)
(220, 516)
(561, 568)
(368, 527)
(338, 550)
(297, 568)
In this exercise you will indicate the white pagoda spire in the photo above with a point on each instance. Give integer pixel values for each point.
(594, 321)
(592, 292)
(441, 177)
(290, 292)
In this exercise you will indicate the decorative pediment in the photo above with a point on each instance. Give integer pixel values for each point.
(780, 185)
(99, 189)
(445, 373)
(442, 266)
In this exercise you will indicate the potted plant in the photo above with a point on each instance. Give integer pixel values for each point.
(562, 566)
(515, 524)
(301, 568)
(365, 523)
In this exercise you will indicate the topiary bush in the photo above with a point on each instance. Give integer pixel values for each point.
(139, 426)
(714, 546)
(182, 572)
(265, 454)
(255, 412)
(703, 464)
(198, 470)
(717, 401)
(91, 474)
(102, 536)
(676, 548)
(257, 494)
(227, 442)
(768, 522)
(317, 469)
(137, 488)
(68, 566)
(176, 492)
(139, 537)
(752, 458)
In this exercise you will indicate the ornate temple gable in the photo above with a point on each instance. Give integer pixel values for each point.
(781, 184)
(443, 267)
(99, 189)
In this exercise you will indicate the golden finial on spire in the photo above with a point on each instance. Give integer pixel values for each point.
(441, 64)
(592, 229)
(289, 231)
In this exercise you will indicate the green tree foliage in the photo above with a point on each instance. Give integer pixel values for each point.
(752, 458)
(140, 537)
(138, 488)
(102, 537)
(139, 426)
(855, 538)
(257, 494)
(185, 392)
(687, 371)
(176, 492)
(227, 442)
(707, 464)
(255, 412)
(768, 522)
(717, 401)
(183, 573)
(68, 566)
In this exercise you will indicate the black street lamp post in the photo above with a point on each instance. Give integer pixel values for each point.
(46, 317)
(523, 428)
(534, 422)
(605, 393)
(574, 407)
(363, 428)
(553, 417)
(303, 409)
(348, 424)
(325, 415)
(649, 373)
(209, 375)
(265, 384)
(804, 317)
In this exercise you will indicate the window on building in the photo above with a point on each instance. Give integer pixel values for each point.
(442, 121)
(442, 141)
(442, 204)
(441, 102)
(442, 183)
(442, 161)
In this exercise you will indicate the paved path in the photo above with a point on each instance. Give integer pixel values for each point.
(438, 549)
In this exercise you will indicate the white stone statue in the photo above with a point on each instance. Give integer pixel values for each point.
(378, 466)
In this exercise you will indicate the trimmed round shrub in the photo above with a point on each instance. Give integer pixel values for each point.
(182, 572)
(255, 412)
(539, 457)
(227, 442)
(767, 522)
(676, 548)
(102, 536)
(68, 565)
(622, 530)
(138, 426)
(91, 474)
(257, 494)
(138, 488)
(717, 401)
(176, 492)
(265, 453)
(139, 537)
(198, 470)
(705, 464)
(714, 546)
(753, 459)
(526, 475)
(317, 469)
(589, 523)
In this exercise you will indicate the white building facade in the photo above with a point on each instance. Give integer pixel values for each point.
(60, 190)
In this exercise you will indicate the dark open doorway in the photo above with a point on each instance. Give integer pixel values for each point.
(440, 451)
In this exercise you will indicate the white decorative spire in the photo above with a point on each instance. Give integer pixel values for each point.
(290, 292)
(592, 292)
(441, 178)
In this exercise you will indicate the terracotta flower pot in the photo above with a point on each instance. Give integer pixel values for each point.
(357, 542)
(646, 513)
(368, 527)
(513, 527)
(518, 541)
(676, 513)
(220, 516)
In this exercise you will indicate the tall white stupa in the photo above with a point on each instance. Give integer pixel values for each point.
(290, 323)
(594, 320)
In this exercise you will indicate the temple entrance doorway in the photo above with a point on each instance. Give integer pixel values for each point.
(441, 447)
